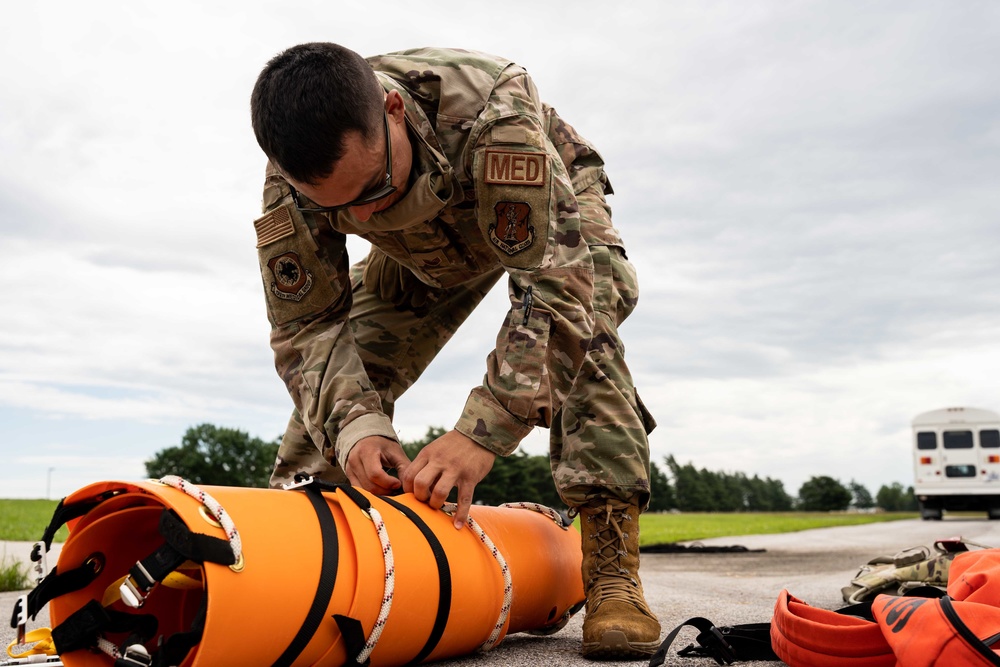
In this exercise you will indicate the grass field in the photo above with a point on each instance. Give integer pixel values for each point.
(25, 520)
(663, 528)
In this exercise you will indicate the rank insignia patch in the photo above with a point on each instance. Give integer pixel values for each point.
(292, 281)
(512, 232)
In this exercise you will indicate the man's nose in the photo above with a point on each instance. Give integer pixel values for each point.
(362, 213)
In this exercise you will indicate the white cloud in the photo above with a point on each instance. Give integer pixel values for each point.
(807, 190)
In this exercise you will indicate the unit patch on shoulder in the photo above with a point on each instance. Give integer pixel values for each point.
(273, 226)
(514, 168)
(292, 281)
(512, 231)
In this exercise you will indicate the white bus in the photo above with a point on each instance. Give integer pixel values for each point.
(956, 461)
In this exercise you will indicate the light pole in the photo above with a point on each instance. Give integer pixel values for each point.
(48, 485)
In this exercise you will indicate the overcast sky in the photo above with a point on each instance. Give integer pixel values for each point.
(809, 191)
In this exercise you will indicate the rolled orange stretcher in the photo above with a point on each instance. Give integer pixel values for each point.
(166, 573)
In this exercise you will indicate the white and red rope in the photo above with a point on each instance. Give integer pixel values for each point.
(212, 505)
(388, 589)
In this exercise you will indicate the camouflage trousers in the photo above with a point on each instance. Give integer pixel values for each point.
(598, 444)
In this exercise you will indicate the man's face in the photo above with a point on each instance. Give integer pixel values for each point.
(362, 168)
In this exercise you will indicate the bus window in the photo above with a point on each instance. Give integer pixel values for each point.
(989, 438)
(927, 440)
(960, 471)
(957, 440)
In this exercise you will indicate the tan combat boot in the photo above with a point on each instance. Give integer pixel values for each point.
(618, 624)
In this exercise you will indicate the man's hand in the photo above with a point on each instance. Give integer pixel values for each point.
(366, 463)
(453, 460)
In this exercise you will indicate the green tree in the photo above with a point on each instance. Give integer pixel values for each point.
(823, 494)
(778, 499)
(701, 490)
(691, 489)
(210, 454)
(412, 447)
(895, 498)
(661, 493)
(861, 497)
(766, 495)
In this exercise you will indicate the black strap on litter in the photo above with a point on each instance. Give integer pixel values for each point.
(64, 513)
(82, 627)
(58, 583)
(351, 628)
(155, 567)
(725, 645)
(194, 546)
(444, 579)
(354, 638)
(327, 577)
(182, 544)
(175, 649)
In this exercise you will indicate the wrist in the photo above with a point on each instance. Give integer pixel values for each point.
(359, 428)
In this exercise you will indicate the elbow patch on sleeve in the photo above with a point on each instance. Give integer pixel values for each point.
(296, 283)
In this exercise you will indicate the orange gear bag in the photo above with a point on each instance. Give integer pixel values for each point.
(960, 629)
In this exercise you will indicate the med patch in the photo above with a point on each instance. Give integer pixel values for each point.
(513, 190)
(514, 168)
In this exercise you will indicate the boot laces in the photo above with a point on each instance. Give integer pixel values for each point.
(609, 575)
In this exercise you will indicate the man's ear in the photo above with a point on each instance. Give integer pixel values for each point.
(394, 106)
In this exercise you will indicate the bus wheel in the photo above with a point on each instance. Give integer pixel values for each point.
(930, 514)
(993, 513)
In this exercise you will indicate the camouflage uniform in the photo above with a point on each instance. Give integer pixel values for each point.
(500, 184)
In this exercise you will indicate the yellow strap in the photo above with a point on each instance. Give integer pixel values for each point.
(41, 637)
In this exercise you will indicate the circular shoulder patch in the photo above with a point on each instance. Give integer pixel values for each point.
(292, 281)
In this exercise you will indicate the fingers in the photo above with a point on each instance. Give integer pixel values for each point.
(368, 461)
(433, 486)
(464, 504)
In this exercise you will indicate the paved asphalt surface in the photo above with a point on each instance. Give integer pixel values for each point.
(728, 588)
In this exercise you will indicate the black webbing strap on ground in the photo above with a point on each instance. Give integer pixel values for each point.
(58, 583)
(327, 577)
(752, 641)
(725, 645)
(82, 628)
(444, 579)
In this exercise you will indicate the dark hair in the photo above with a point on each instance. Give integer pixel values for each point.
(305, 99)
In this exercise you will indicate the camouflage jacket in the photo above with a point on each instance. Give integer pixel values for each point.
(494, 183)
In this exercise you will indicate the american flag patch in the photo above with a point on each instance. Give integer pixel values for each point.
(273, 226)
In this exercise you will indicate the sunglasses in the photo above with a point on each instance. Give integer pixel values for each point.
(375, 194)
